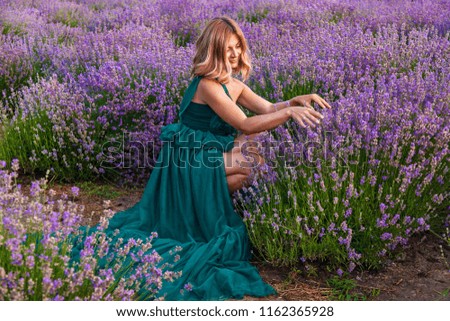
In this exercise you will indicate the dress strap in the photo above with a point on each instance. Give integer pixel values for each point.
(226, 90)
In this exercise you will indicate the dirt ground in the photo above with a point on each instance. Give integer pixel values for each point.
(421, 272)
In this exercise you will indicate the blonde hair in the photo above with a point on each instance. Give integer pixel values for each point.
(210, 57)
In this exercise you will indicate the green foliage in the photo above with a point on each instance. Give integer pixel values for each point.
(182, 39)
(336, 17)
(24, 73)
(33, 277)
(51, 265)
(33, 142)
(187, 34)
(253, 17)
(298, 88)
(97, 7)
(9, 28)
(69, 18)
(445, 294)
(281, 239)
(344, 289)
(103, 191)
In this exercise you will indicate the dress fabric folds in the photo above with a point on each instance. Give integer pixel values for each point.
(186, 201)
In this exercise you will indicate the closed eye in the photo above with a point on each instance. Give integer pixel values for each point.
(237, 46)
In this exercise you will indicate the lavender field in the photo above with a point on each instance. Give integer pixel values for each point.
(85, 87)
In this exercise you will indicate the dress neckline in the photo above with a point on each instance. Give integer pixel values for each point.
(193, 102)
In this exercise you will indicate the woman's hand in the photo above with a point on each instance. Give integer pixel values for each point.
(308, 100)
(305, 116)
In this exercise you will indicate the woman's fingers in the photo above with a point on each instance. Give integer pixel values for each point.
(307, 104)
(309, 120)
(308, 117)
(308, 100)
(317, 116)
(322, 103)
(299, 119)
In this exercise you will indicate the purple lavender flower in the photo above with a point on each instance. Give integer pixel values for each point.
(386, 236)
(75, 190)
(188, 287)
(348, 212)
(351, 266)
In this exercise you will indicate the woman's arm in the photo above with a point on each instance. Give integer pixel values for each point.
(212, 93)
(257, 104)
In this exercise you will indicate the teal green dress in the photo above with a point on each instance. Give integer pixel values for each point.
(187, 202)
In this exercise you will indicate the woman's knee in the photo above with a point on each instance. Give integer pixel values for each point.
(250, 148)
(237, 163)
(245, 155)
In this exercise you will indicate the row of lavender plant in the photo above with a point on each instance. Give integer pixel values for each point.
(37, 235)
(376, 172)
(104, 69)
(127, 64)
(97, 97)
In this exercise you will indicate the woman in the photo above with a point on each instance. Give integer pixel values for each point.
(222, 52)
(187, 198)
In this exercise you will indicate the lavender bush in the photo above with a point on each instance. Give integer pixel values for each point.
(37, 233)
(354, 190)
(87, 85)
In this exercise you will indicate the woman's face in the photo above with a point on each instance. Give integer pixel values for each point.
(234, 50)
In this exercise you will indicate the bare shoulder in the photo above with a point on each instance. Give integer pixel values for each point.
(206, 87)
(208, 84)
